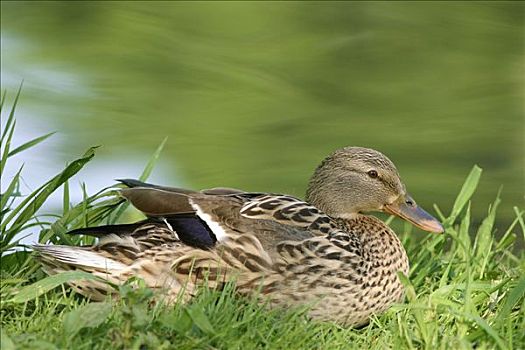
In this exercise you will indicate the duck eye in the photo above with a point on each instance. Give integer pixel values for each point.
(372, 174)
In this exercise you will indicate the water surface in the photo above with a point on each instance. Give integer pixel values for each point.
(253, 95)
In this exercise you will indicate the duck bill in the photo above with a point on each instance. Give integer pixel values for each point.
(407, 209)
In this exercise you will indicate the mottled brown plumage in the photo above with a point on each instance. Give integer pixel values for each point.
(322, 252)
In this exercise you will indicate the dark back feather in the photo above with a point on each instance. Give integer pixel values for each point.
(156, 202)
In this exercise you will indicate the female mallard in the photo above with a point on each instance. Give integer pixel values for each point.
(322, 252)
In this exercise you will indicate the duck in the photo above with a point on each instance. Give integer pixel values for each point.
(325, 252)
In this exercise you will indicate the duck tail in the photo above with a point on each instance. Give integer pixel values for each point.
(59, 258)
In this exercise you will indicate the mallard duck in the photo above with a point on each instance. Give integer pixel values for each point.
(322, 252)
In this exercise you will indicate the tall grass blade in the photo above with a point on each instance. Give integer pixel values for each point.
(143, 177)
(38, 288)
(517, 293)
(486, 327)
(65, 198)
(200, 320)
(509, 237)
(29, 144)
(74, 217)
(463, 236)
(11, 118)
(469, 186)
(519, 215)
(53, 184)
(483, 243)
(152, 161)
(2, 100)
(6, 147)
(10, 189)
(29, 206)
(85, 199)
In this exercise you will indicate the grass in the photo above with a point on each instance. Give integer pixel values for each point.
(465, 290)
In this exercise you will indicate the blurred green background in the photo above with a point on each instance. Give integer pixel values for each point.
(254, 94)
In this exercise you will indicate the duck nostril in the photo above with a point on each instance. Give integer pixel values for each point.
(410, 203)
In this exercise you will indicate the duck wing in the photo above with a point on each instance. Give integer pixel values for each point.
(223, 213)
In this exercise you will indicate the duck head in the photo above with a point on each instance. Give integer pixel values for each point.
(353, 180)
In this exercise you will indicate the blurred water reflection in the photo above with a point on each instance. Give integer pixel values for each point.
(254, 94)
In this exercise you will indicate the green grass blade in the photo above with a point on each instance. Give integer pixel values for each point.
(517, 293)
(520, 220)
(10, 189)
(152, 161)
(200, 320)
(74, 217)
(467, 190)
(9, 234)
(483, 243)
(6, 148)
(53, 184)
(38, 288)
(486, 327)
(509, 237)
(65, 199)
(29, 144)
(2, 100)
(143, 177)
(463, 238)
(85, 199)
(11, 118)
(27, 209)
